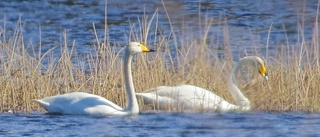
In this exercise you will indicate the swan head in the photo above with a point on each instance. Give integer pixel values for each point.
(255, 62)
(136, 47)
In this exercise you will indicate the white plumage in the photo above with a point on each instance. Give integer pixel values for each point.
(80, 103)
(193, 98)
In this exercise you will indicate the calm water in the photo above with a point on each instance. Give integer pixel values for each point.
(163, 124)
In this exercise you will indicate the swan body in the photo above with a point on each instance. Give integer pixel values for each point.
(80, 103)
(185, 98)
(193, 98)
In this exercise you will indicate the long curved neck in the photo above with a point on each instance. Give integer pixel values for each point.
(132, 103)
(236, 93)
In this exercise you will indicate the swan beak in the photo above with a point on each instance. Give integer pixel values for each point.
(146, 49)
(263, 72)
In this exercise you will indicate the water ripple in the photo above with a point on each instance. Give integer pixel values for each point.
(163, 124)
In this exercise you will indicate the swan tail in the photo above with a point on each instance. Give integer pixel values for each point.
(150, 90)
(43, 104)
(147, 98)
(139, 94)
(143, 96)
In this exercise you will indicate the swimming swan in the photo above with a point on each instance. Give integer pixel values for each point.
(80, 103)
(193, 98)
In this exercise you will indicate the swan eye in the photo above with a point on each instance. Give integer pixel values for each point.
(263, 70)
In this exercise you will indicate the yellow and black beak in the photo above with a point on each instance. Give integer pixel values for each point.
(263, 72)
(146, 49)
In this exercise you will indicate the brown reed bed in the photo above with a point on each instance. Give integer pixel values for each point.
(293, 71)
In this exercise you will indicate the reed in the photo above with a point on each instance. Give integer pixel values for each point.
(293, 69)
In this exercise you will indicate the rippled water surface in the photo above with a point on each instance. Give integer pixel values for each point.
(248, 21)
(163, 124)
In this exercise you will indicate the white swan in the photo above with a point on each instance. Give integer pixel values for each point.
(193, 98)
(80, 103)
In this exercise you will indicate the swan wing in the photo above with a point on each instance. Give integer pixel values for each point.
(185, 97)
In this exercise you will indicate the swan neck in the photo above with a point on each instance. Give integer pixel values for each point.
(132, 103)
(236, 93)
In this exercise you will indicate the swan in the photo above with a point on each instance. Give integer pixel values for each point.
(80, 103)
(193, 98)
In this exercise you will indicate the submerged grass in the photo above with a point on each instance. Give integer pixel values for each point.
(293, 69)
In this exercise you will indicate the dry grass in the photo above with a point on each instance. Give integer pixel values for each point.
(293, 71)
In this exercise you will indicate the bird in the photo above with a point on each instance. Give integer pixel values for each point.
(81, 103)
(193, 99)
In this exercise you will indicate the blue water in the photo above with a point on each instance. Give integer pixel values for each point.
(248, 22)
(163, 124)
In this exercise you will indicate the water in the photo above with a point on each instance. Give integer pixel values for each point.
(163, 124)
(248, 21)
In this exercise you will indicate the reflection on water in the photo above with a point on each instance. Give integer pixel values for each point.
(248, 21)
(163, 124)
